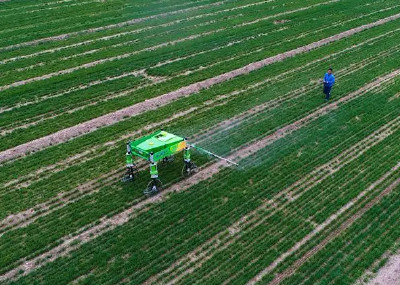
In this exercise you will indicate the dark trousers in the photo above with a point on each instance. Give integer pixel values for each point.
(327, 91)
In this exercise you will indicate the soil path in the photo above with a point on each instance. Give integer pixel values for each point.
(154, 103)
(389, 274)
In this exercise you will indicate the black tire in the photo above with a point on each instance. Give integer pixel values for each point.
(130, 174)
(188, 169)
(153, 187)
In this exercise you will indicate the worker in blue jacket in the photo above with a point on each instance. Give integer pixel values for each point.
(329, 81)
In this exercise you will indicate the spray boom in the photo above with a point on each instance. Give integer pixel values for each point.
(213, 154)
(160, 147)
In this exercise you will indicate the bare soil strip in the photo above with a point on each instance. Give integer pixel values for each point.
(126, 23)
(388, 274)
(68, 243)
(280, 277)
(373, 271)
(154, 103)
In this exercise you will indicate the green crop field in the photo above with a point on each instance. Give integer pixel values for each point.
(315, 198)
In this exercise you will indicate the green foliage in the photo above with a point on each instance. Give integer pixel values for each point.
(153, 240)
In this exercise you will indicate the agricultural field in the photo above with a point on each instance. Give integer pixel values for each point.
(315, 198)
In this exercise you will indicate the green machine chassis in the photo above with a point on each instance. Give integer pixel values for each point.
(159, 146)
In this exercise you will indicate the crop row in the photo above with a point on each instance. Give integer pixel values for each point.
(117, 28)
(69, 194)
(75, 218)
(216, 264)
(148, 39)
(361, 63)
(44, 29)
(113, 68)
(181, 126)
(126, 28)
(196, 211)
(79, 116)
(253, 186)
(357, 178)
(74, 10)
(46, 189)
(363, 240)
(153, 240)
(262, 74)
(86, 78)
(147, 35)
(319, 176)
(247, 244)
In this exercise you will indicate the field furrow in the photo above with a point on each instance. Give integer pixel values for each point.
(314, 198)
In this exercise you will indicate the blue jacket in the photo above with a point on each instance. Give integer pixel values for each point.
(329, 79)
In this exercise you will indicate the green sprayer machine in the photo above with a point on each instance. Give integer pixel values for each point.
(161, 146)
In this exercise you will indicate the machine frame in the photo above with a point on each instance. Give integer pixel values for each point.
(159, 146)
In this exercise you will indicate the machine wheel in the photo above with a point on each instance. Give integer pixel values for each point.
(130, 174)
(188, 169)
(168, 159)
(153, 187)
